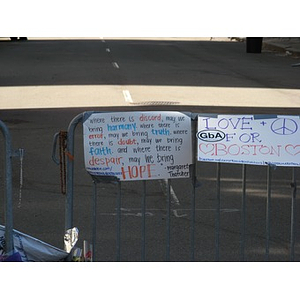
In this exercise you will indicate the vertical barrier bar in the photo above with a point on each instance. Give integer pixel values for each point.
(70, 172)
(293, 215)
(193, 182)
(268, 208)
(217, 215)
(9, 245)
(94, 220)
(119, 222)
(143, 254)
(243, 219)
(193, 215)
(168, 220)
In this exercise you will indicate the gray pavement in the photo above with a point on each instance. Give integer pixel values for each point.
(45, 83)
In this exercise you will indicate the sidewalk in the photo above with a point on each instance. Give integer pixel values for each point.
(287, 45)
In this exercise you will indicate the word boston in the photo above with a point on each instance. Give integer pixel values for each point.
(138, 145)
(249, 139)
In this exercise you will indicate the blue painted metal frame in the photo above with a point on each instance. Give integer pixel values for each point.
(9, 154)
(8, 190)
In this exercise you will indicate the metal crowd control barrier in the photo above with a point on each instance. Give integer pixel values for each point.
(9, 153)
(69, 150)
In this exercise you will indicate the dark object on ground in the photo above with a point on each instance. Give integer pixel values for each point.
(254, 44)
(20, 39)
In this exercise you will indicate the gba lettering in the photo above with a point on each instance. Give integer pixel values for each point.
(211, 135)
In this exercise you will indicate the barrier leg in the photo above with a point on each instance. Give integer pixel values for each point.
(293, 215)
(243, 217)
(168, 220)
(193, 215)
(119, 222)
(217, 216)
(143, 254)
(268, 209)
(94, 220)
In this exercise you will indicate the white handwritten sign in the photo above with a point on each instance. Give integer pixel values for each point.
(138, 145)
(249, 139)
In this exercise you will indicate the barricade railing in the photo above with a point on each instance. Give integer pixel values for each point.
(9, 154)
(210, 135)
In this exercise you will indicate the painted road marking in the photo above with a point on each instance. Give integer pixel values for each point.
(136, 212)
(127, 96)
(115, 65)
(164, 185)
(107, 50)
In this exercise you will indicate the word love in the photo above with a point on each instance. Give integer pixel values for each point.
(241, 123)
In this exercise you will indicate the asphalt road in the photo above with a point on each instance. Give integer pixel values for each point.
(45, 83)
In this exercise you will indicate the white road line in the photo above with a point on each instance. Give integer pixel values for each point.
(225, 210)
(115, 65)
(164, 185)
(178, 216)
(107, 50)
(127, 96)
(151, 212)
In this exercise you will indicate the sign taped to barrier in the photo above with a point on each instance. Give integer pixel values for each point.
(249, 139)
(138, 145)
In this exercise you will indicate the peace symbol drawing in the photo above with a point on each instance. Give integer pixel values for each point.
(284, 126)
